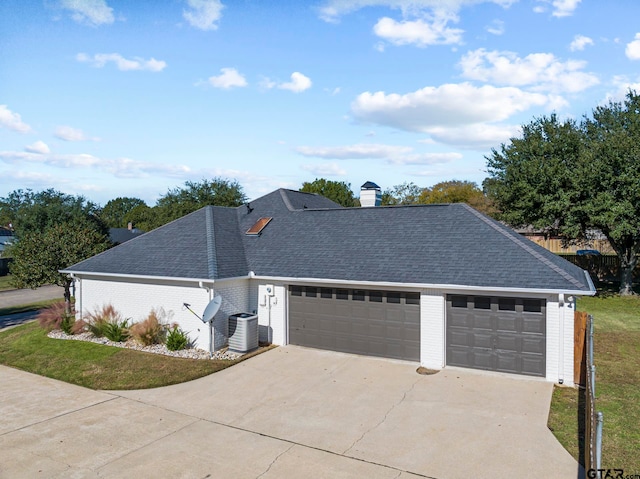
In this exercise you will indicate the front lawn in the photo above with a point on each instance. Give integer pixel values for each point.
(617, 360)
(5, 283)
(96, 366)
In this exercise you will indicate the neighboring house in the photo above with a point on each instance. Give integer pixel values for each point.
(442, 285)
(122, 235)
(6, 238)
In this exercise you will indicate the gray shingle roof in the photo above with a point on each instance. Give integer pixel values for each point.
(313, 237)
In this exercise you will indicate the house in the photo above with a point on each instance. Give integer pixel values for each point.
(120, 235)
(6, 238)
(404, 282)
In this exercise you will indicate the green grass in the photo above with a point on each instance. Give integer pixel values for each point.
(617, 360)
(96, 366)
(5, 283)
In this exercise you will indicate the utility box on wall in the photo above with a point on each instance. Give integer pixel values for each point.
(243, 332)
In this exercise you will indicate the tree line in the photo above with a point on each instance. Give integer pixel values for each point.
(562, 177)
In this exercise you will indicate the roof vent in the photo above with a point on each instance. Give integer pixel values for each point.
(370, 194)
(258, 226)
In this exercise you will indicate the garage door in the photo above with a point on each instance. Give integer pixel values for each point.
(372, 323)
(497, 334)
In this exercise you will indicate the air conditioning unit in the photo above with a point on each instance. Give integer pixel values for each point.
(243, 332)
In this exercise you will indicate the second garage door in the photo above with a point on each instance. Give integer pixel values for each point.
(497, 334)
(368, 322)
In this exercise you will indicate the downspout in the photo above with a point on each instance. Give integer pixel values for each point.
(78, 295)
(561, 345)
(210, 291)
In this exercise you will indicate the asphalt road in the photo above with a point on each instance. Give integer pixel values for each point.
(17, 297)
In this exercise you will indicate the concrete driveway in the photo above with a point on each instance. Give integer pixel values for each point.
(290, 412)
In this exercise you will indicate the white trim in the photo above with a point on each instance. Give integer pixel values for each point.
(446, 287)
(159, 278)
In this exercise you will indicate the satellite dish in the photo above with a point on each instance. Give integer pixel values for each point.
(211, 309)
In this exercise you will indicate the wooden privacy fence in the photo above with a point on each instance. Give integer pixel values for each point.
(579, 350)
(604, 267)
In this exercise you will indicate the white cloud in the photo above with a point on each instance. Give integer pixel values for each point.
(476, 136)
(579, 43)
(119, 167)
(496, 27)
(561, 8)
(622, 85)
(99, 60)
(12, 121)
(229, 78)
(419, 32)
(541, 71)
(332, 10)
(633, 48)
(89, 12)
(359, 151)
(398, 155)
(68, 133)
(298, 83)
(446, 105)
(325, 169)
(203, 14)
(39, 147)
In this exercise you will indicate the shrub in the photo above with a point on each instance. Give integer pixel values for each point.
(68, 320)
(176, 339)
(117, 331)
(53, 316)
(151, 330)
(79, 326)
(108, 322)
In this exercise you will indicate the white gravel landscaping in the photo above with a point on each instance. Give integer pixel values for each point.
(156, 348)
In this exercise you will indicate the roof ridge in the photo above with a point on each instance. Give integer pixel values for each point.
(285, 198)
(212, 263)
(519, 242)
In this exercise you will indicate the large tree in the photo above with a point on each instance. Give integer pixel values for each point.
(404, 194)
(114, 213)
(572, 179)
(456, 191)
(38, 256)
(337, 191)
(195, 195)
(29, 211)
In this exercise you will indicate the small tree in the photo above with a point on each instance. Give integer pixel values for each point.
(39, 256)
(337, 191)
(404, 194)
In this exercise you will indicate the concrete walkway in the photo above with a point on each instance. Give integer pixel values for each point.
(290, 412)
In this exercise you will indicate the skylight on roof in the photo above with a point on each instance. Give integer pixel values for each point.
(259, 225)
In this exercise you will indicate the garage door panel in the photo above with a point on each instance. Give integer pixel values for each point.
(533, 325)
(483, 321)
(533, 345)
(499, 334)
(507, 323)
(372, 327)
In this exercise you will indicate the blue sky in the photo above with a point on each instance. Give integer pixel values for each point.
(109, 98)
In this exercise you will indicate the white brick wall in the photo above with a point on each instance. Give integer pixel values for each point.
(432, 334)
(235, 299)
(135, 300)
